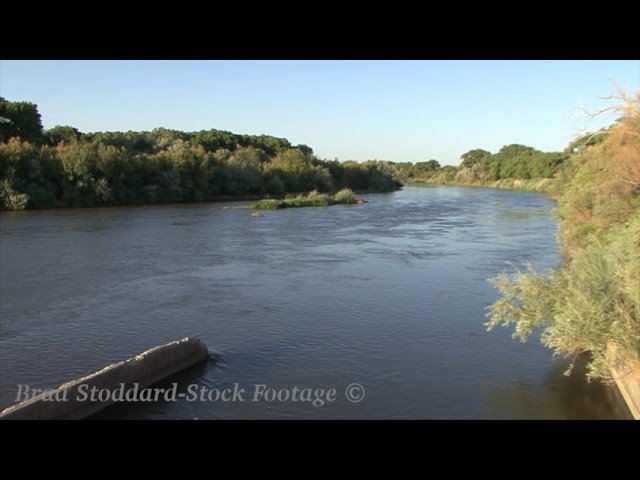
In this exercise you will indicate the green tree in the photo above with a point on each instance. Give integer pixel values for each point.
(473, 156)
(246, 166)
(275, 186)
(75, 169)
(424, 167)
(20, 119)
(307, 151)
(59, 133)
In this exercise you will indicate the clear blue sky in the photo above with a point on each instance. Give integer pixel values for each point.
(353, 110)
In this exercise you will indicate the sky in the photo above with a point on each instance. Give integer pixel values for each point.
(347, 109)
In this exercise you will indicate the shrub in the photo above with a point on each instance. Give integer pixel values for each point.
(11, 199)
(592, 302)
(345, 195)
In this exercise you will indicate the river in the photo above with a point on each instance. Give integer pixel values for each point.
(390, 295)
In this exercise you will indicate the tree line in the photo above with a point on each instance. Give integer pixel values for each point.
(63, 167)
(513, 161)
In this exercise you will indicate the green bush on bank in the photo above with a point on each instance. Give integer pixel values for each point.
(593, 300)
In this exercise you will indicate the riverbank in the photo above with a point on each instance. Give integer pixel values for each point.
(623, 369)
(592, 302)
(627, 379)
(547, 186)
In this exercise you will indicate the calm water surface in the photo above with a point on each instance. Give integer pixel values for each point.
(390, 295)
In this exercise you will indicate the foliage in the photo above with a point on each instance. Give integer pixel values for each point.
(267, 204)
(67, 168)
(512, 161)
(604, 189)
(312, 199)
(19, 119)
(473, 157)
(59, 133)
(587, 140)
(481, 167)
(345, 195)
(592, 302)
(10, 199)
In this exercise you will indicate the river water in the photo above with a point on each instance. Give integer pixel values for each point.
(390, 295)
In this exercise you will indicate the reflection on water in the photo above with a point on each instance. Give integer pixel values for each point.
(390, 295)
(558, 396)
(525, 214)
